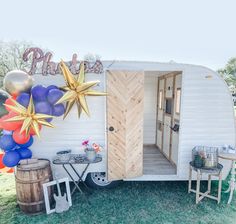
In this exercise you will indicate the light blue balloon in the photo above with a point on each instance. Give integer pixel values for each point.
(5, 132)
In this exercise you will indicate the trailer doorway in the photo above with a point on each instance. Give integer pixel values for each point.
(140, 140)
(162, 95)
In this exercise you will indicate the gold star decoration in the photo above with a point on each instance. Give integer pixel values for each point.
(76, 89)
(29, 117)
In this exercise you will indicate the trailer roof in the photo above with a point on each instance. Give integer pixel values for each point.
(149, 65)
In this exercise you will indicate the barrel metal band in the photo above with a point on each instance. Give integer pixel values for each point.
(32, 181)
(30, 203)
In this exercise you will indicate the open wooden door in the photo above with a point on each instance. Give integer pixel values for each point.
(125, 124)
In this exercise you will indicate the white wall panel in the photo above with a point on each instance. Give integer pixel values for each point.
(150, 109)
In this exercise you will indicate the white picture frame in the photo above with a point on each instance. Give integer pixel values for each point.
(50, 210)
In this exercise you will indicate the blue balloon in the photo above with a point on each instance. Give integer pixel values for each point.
(58, 110)
(51, 87)
(49, 119)
(5, 132)
(43, 108)
(27, 144)
(39, 93)
(24, 153)
(7, 143)
(54, 95)
(11, 158)
(23, 99)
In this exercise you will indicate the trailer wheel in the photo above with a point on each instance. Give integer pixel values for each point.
(99, 181)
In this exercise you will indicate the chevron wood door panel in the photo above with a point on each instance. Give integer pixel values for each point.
(125, 124)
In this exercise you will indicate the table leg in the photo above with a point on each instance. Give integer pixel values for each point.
(81, 176)
(198, 186)
(209, 183)
(232, 183)
(76, 185)
(190, 179)
(219, 187)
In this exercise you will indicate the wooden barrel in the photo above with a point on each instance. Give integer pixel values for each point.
(29, 185)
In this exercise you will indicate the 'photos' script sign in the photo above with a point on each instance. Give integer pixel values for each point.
(41, 63)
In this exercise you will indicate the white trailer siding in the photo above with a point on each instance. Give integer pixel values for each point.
(206, 115)
(206, 118)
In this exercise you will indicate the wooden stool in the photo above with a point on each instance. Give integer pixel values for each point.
(211, 172)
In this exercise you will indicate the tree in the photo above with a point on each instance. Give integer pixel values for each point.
(229, 73)
(11, 57)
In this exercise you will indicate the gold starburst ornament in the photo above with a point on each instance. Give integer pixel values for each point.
(76, 90)
(30, 118)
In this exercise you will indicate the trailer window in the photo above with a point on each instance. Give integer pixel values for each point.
(177, 102)
(168, 106)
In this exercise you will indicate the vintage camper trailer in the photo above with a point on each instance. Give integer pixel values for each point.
(152, 117)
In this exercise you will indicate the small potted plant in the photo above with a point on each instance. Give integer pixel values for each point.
(91, 151)
(199, 159)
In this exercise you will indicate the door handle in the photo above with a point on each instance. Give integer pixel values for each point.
(111, 128)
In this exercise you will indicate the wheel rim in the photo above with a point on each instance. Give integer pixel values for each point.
(100, 179)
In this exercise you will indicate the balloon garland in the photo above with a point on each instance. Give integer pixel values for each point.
(25, 109)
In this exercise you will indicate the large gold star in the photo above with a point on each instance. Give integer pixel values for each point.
(29, 117)
(76, 89)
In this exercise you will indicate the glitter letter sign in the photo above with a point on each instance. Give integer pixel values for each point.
(41, 63)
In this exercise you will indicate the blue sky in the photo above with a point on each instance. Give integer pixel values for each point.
(197, 32)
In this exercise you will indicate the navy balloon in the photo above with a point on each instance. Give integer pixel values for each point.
(25, 153)
(23, 99)
(11, 158)
(39, 93)
(7, 143)
(51, 87)
(43, 108)
(54, 95)
(27, 144)
(58, 110)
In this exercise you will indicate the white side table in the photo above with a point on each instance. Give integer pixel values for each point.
(232, 183)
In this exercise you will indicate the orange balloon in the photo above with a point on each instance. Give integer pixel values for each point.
(12, 113)
(14, 96)
(32, 132)
(8, 125)
(9, 102)
(1, 163)
(20, 138)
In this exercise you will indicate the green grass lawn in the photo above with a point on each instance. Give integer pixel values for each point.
(130, 202)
